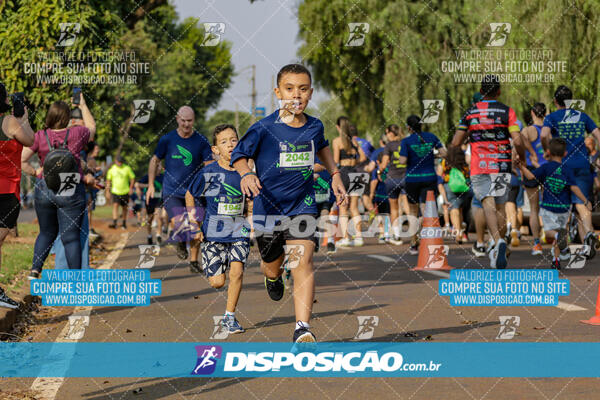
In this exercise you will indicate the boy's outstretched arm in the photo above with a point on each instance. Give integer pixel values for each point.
(336, 180)
(575, 189)
(250, 183)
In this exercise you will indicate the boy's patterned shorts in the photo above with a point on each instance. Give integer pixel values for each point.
(216, 256)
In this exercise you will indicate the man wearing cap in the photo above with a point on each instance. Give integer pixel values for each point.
(119, 183)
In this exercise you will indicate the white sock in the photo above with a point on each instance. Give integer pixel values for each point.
(228, 313)
(302, 324)
(330, 239)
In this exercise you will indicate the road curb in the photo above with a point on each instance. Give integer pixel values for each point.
(9, 316)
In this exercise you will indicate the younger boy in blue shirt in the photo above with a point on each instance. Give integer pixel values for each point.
(558, 183)
(225, 232)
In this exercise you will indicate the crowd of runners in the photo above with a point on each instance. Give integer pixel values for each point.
(283, 188)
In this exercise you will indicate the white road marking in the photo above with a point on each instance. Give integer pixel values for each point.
(569, 307)
(47, 388)
(435, 272)
(381, 258)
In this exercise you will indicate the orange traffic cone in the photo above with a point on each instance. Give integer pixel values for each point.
(595, 320)
(432, 251)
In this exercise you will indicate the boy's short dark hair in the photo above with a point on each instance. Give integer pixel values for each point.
(561, 94)
(293, 69)
(490, 85)
(557, 146)
(220, 128)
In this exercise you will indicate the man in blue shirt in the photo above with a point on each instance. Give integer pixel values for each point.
(572, 125)
(283, 146)
(185, 152)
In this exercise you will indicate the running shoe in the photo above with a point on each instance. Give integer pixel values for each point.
(275, 288)
(514, 238)
(124, 226)
(113, 225)
(6, 301)
(382, 240)
(565, 254)
(304, 335)
(159, 239)
(359, 242)
(498, 255)
(396, 241)
(195, 267)
(232, 325)
(345, 243)
(182, 252)
(479, 251)
(592, 241)
(537, 250)
(330, 248)
(413, 250)
(555, 264)
(34, 275)
(490, 246)
(149, 239)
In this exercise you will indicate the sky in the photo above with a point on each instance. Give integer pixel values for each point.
(264, 33)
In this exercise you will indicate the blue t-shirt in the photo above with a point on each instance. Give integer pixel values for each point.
(224, 216)
(557, 180)
(183, 158)
(284, 158)
(419, 156)
(571, 125)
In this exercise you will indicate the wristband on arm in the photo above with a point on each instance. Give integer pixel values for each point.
(248, 173)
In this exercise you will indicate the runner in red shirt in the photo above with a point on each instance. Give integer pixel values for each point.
(14, 134)
(490, 126)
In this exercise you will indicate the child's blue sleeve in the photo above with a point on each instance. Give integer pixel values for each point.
(590, 125)
(248, 145)
(196, 187)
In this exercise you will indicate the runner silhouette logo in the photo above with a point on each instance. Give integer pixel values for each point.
(366, 327)
(212, 184)
(500, 32)
(508, 326)
(212, 33)
(143, 108)
(500, 183)
(207, 359)
(358, 33)
(437, 255)
(578, 256)
(431, 111)
(68, 183)
(575, 104)
(148, 254)
(68, 33)
(358, 183)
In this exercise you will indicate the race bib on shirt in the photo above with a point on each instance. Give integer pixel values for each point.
(296, 156)
(230, 206)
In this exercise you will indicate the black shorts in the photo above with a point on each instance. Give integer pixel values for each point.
(513, 193)
(344, 171)
(530, 183)
(270, 244)
(417, 191)
(327, 205)
(9, 210)
(383, 207)
(122, 200)
(152, 205)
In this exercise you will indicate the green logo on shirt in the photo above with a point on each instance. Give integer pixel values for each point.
(183, 154)
(308, 200)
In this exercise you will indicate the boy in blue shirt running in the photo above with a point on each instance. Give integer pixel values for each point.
(283, 146)
(224, 229)
(558, 183)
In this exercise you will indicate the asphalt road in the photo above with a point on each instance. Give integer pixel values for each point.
(374, 280)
